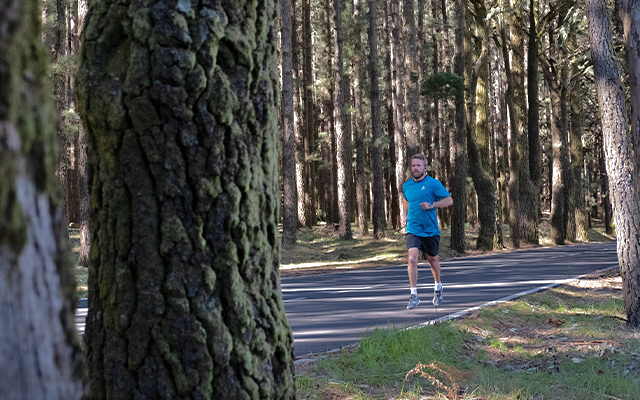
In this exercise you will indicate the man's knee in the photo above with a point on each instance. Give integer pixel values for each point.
(413, 257)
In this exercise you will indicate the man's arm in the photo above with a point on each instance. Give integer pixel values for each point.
(446, 202)
(405, 208)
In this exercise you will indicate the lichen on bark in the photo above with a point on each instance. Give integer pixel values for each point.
(184, 293)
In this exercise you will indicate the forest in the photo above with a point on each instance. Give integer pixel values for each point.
(180, 136)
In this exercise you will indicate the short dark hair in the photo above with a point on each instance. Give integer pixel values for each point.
(419, 157)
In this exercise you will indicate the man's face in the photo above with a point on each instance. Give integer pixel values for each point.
(417, 168)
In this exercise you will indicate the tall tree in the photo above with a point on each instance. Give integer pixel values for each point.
(628, 13)
(533, 119)
(398, 100)
(363, 225)
(410, 71)
(459, 163)
(621, 166)
(378, 216)
(181, 119)
(290, 204)
(478, 138)
(528, 209)
(343, 157)
(40, 355)
(308, 116)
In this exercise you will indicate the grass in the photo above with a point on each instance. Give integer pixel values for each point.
(570, 342)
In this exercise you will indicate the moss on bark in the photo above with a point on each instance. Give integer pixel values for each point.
(184, 293)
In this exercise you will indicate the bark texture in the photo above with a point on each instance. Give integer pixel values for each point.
(359, 125)
(290, 206)
(378, 215)
(179, 103)
(398, 102)
(628, 13)
(621, 166)
(40, 355)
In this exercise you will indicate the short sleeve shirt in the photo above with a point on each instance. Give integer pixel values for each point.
(420, 222)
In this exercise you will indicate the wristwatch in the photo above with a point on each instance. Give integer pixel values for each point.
(431, 204)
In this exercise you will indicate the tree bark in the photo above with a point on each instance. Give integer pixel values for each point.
(40, 354)
(290, 206)
(343, 158)
(184, 288)
(459, 163)
(378, 215)
(391, 116)
(628, 13)
(621, 166)
(411, 72)
(398, 102)
(534, 106)
(308, 117)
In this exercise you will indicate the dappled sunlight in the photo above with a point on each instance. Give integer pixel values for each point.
(330, 263)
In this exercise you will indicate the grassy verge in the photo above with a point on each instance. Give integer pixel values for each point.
(566, 343)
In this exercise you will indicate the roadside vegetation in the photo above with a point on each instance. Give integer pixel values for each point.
(570, 342)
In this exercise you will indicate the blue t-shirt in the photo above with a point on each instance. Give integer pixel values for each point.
(420, 222)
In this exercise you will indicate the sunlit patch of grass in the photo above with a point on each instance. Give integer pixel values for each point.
(82, 278)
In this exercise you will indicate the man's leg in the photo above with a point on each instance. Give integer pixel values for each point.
(434, 263)
(412, 266)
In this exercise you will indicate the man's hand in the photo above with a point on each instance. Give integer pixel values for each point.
(426, 205)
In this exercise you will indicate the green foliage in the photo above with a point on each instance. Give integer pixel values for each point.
(444, 86)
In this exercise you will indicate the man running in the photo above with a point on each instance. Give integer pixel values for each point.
(422, 196)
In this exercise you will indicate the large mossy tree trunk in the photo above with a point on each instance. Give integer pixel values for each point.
(621, 166)
(40, 355)
(179, 106)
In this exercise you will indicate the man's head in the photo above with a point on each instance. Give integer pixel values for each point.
(418, 166)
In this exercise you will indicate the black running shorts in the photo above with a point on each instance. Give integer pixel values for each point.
(429, 245)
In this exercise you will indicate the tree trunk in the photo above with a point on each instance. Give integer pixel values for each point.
(628, 13)
(343, 158)
(308, 117)
(478, 138)
(297, 113)
(398, 102)
(514, 157)
(534, 106)
(577, 154)
(410, 72)
(40, 354)
(459, 164)
(621, 166)
(391, 116)
(290, 206)
(528, 208)
(181, 120)
(359, 125)
(497, 163)
(378, 216)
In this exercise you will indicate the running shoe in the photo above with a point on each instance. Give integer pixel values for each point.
(437, 297)
(413, 301)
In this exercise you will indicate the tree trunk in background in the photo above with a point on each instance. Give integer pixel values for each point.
(604, 188)
(558, 227)
(297, 113)
(398, 102)
(628, 13)
(534, 108)
(82, 170)
(40, 354)
(497, 163)
(569, 205)
(343, 157)
(391, 116)
(290, 207)
(60, 97)
(425, 131)
(459, 165)
(577, 155)
(359, 126)
(478, 139)
(437, 163)
(184, 286)
(528, 210)
(378, 216)
(411, 72)
(514, 157)
(308, 116)
(621, 166)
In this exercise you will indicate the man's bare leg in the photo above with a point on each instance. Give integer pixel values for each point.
(412, 266)
(434, 263)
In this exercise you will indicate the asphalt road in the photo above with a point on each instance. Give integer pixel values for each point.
(332, 310)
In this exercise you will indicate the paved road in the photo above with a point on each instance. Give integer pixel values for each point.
(329, 311)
